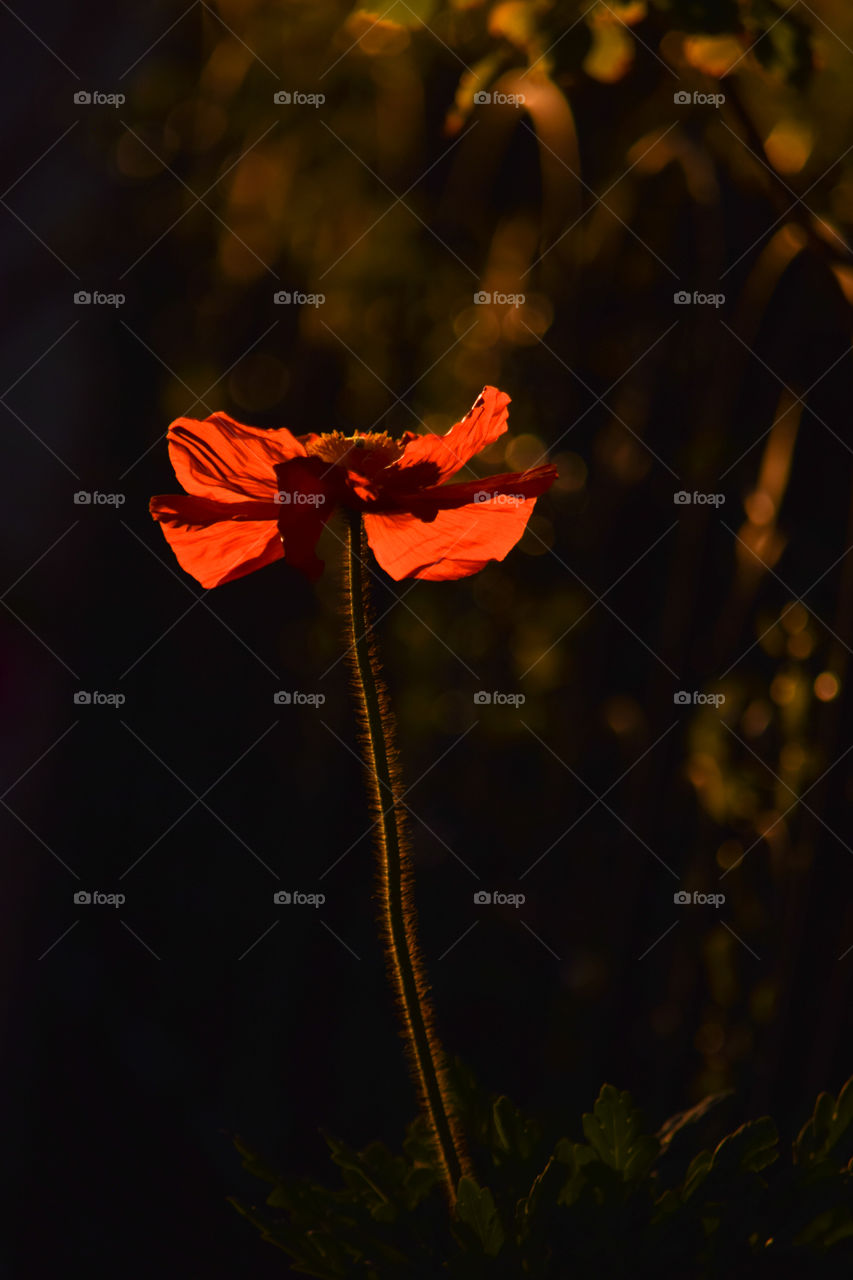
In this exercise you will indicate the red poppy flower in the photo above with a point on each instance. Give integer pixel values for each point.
(253, 496)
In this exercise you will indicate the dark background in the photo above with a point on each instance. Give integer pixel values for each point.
(139, 1038)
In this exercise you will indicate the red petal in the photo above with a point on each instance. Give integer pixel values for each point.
(512, 484)
(212, 541)
(455, 544)
(223, 459)
(442, 456)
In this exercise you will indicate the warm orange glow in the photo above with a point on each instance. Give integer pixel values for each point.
(827, 686)
(756, 718)
(789, 145)
(759, 507)
(795, 619)
(801, 645)
(715, 55)
(783, 690)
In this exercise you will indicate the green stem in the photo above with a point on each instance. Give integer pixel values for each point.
(398, 915)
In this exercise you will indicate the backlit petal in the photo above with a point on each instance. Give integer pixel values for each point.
(212, 542)
(223, 459)
(457, 543)
(437, 457)
(513, 484)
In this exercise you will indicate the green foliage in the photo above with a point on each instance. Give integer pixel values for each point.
(625, 1201)
(615, 1134)
(475, 1208)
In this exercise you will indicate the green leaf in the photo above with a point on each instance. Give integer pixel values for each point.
(515, 1135)
(475, 1206)
(752, 1147)
(578, 1157)
(374, 1174)
(311, 1253)
(698, 1170)
(543, 1196)
(686, 1119)
(614, 1131)
(255, 1164)
(829, 1131)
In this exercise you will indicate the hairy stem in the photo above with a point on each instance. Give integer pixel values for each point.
(398, 916)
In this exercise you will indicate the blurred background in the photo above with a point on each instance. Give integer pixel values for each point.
(634, 219)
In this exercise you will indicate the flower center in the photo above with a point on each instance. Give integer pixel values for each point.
(335, 447)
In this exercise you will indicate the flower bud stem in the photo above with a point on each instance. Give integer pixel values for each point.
(398, 916)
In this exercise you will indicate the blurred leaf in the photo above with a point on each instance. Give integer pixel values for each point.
(516, 1135)
(411, 13)
(686, 1119)
(514, 21)
(785, 45)
(614, 1130)
(829, 1131)
(374, 1174)
(475, 1206)
(753, 1146)
(612, 51)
